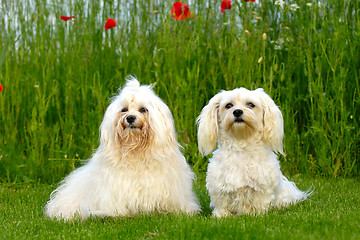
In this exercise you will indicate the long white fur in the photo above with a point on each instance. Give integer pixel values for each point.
(134, 171)
(244, 175)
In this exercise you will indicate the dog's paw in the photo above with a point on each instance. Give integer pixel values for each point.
(218, 213)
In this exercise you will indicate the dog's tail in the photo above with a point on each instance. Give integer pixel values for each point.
(288, 193)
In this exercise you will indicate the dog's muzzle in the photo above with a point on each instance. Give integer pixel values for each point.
(131, 121)
(237, 114)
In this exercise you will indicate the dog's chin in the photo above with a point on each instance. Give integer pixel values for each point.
(133, 139)
(241, 129)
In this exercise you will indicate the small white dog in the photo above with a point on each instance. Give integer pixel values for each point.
(244, 175)
(137, 169)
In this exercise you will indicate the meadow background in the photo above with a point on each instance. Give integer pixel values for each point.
(58, 76)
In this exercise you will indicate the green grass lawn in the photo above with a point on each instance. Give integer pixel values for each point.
(332, 213)
(58, 76)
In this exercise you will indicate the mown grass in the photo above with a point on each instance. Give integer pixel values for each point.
(58, 76)
(332, 213)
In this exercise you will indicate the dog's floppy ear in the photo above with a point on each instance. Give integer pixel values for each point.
(162, 123)
(208, 125)
(107, 135)
(273, 123)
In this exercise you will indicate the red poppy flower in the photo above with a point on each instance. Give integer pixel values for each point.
(225, 4)
(180, 11)
(1, 87)
(65, 18)
(250, 0)
(110, 23)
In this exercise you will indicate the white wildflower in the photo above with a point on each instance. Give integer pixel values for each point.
(278, 44)
(279, 3)
(280, 41)
(294, 7)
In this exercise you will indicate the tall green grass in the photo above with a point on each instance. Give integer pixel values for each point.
(58, 76)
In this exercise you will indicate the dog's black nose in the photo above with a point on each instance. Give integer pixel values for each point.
(238, 112)
(130, 119)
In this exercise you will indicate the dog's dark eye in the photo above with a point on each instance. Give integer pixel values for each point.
(229, 105)
(251, 105)
(143, 110)
(124, 110)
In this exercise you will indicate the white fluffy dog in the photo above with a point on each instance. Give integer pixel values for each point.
(244, 175)
(137, 169)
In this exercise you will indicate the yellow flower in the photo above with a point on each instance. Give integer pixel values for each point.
(264, 36)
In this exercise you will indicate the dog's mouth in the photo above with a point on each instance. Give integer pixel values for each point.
(133, 127)
(239, 120)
